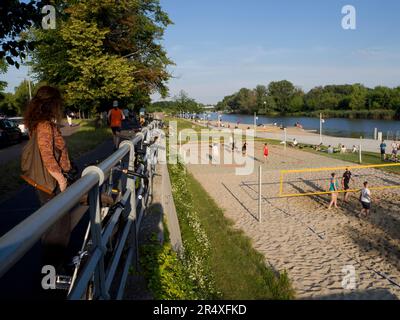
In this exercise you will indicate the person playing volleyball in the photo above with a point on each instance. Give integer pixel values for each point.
(365, 199)
(266, 152)
(345, 183)
(333, 188)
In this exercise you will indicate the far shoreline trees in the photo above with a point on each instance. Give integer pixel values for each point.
(284, 98)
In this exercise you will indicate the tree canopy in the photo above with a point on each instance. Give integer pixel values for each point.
(180, 103)
(16, 17)
(283, 97)
(104, 50)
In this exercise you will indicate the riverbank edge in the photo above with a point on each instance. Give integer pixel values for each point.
(387, 115)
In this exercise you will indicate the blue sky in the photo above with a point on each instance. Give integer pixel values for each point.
(221, 46)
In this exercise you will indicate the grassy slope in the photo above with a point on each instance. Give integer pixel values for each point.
(367, 159)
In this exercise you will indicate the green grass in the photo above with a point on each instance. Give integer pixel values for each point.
(368, 158)
(237, 269)
(85, 139)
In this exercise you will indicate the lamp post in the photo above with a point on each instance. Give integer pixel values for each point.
(320, 127)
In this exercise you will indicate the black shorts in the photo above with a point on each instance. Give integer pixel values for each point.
(116, 130)
(346, 186)
(366, 205)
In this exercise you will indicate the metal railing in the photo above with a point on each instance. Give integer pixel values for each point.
(19, 240)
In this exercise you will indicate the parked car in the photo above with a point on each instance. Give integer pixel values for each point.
(9, 132)
(20, 123)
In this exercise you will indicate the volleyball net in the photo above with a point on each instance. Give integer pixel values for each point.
(316, 181)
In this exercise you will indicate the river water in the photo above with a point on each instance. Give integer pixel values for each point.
(352, 128)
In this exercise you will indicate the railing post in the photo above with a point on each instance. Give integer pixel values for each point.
(95, 226)
(130, 185)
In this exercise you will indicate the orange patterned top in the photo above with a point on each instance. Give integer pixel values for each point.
(50, 138)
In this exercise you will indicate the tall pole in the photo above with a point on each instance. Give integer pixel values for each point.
(180, 143)
(29, 79)
(320, 128)
(259, 193)
(30, 89)
(285, 138)
(360, 153)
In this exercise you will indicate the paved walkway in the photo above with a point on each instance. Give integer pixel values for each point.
(22, 282)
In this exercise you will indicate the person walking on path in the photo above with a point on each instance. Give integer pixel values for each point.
(347, 177)
(366, 200)
(265, 152)
(333, 188)
(41, 118)
(383, 150)
(69, 118)
(215, 153)
(394, 151)
(115, 117)
(230, 142)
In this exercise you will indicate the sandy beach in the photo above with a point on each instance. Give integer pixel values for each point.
(305, 136)
(299, 235)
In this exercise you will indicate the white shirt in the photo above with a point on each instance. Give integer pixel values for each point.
(215, 150)
(366, 195)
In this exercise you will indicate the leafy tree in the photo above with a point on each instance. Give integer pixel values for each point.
(261, 93)
(104, 50)
(383, 97)
(21, 96)
(297, 102)
(269, 106)
(358, 97)
(283, 93)
(8, 105)
(3, 84)
(16, 17)
(183, 103)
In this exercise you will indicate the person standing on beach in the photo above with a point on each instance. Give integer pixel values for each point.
(365, 199)
(115, 117)
(383, 150)
(244, 149)
(345, 183)
(266, 152)
(333, 188)
(215, 153)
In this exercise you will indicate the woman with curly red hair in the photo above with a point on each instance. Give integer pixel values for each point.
(43, 114)
(42, 118)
